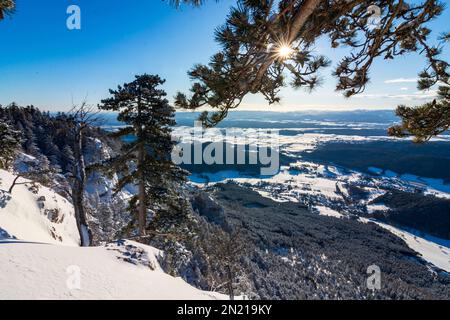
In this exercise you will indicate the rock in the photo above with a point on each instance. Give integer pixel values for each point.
(207, 207)
(54, 215)
(55, 235)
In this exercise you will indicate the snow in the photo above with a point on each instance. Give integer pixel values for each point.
(431, 186)
(373, 194)
(40, 256)
(325, 211)
(433, 250)
(24, 217)
(42, 271)
(371, 208)
(435, 187)
(301, 183)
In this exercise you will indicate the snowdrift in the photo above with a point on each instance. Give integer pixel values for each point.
(124, 270)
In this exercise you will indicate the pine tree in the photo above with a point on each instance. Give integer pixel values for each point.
(422, 122)
(6, 7)
(9, 144)
(50, 149)
(267, 45)
(144, 162)
(30, 145)
(432, 118)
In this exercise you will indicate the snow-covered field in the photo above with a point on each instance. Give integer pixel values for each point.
(40, 257)
(293, 145)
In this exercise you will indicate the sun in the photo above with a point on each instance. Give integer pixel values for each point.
(284, 51)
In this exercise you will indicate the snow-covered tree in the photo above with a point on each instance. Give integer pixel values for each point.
(9, 144)
(224, 251)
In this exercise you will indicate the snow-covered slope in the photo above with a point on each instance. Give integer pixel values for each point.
(117, 271)
(433, 250)
(40, 257)
(35, 213)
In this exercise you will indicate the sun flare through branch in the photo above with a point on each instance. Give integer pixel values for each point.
(284, 51)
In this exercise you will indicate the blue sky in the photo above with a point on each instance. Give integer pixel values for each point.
(45, 64)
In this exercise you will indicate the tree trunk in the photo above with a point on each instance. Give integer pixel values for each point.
(142, 214)
(78, 189)
(300, 18)
(13, 184)
(230, 282)
(142, 209)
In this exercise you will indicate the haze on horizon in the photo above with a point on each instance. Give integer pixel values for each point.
(46, 65)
